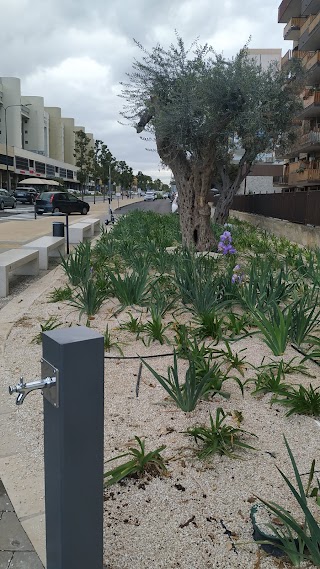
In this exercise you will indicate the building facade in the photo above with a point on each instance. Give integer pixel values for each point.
(267, 166)
(35, 140)
(302, 162)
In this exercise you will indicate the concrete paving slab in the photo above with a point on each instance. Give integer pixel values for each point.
(5, 504)
(5, 558)
(25, 560)
(12, 535)
(35, 528)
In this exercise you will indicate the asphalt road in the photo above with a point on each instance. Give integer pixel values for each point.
(27, 211)
(158, 206)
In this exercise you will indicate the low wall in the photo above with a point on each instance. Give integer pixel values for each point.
(306, 235)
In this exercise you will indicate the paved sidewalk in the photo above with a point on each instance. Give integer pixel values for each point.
(16, 550)
(26, 493)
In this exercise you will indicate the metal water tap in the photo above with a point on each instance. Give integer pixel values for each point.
(23, 389)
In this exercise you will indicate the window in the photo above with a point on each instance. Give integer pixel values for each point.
(26, 142)
(22, 163)
(3, 160)
(50, 170)
(70, 174)
(31, 163)
(40, 167)
(25, 132)
(63, 172)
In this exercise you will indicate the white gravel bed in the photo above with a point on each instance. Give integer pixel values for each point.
(197, 517)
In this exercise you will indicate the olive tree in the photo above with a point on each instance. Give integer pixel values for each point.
(200, 108)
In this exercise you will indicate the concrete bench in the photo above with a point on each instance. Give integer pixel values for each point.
(48, 247)
(95, 225)
(79, 231)
(17, 261)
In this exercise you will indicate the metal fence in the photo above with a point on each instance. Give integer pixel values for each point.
(297, 207)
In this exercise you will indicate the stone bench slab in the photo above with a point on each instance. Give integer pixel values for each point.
(18, 261)
(48, 247)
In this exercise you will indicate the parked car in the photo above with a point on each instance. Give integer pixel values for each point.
(149, 196)
(6, 200)
(55, 202)
(25, 194)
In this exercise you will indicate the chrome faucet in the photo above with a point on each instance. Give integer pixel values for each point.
(23, 389)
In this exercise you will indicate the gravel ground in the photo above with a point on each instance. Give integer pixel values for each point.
(196, 517)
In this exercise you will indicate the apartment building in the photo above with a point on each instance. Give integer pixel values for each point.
(35, 140)
(302, 162)
(267, 166)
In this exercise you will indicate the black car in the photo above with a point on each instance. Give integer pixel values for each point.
(25, 195)
(55, 202)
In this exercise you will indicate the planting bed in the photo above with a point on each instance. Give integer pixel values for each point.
(197, 516)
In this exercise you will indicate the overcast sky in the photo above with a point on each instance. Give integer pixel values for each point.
(74, 53)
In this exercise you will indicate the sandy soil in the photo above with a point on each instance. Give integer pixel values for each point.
(197, 517)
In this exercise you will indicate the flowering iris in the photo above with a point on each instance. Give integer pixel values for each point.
(225, 244)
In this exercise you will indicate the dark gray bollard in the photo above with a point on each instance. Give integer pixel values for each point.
(73, 449)
(72, 380)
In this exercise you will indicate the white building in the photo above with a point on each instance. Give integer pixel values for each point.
(35, 140)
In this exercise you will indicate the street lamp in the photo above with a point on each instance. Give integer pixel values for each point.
(6, 131)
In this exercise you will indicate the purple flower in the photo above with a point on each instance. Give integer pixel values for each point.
(225, 244)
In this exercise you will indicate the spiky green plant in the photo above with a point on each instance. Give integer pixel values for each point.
(88, 298)
(305, 318)
(77, 265)
(152, 463)
(219, 437)
(130, 288)
(275, 327)
(299, 542)
(211, 325)
(49, 325)
(154, 329)
(301, 400)
(60, 294)
(186, 395)
(109, 343)
(133, 325)
(268, 381)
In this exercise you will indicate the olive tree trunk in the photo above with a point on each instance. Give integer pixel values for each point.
(229, 190)
(194, 210)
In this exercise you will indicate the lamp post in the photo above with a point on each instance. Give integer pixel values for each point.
(6, 132)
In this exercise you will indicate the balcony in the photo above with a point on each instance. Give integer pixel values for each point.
(309, 39)
(309, 7)
(280, 181)
(288, 9)
(308, 142)
(304, 56)
(311, 106)
(311, 65)
(25, 111)
(292, 29)
(307, 177)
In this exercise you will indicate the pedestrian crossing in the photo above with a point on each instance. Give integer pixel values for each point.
(25, 214)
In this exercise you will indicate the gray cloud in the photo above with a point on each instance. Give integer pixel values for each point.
(75, 52)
